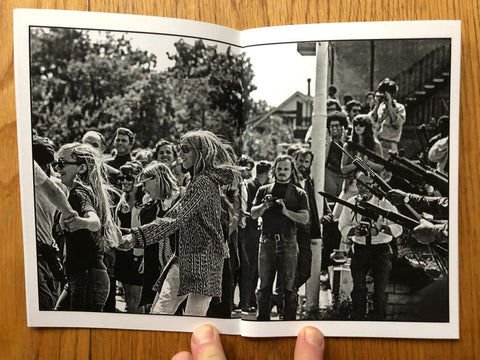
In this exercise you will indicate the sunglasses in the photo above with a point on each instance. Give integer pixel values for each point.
(60, 164)
(361, 124)
(144, 178)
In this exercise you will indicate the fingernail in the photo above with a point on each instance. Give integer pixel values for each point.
(313, 337)
(203, 334)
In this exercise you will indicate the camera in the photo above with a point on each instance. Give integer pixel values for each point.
(271, 200)
(364, 228)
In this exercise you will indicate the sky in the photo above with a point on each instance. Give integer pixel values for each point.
(279, 69)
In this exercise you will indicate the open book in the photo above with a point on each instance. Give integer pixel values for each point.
(267, 91)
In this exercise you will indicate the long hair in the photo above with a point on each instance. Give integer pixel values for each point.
(211, 152)
(294, 175)
(164, 178)
(368, 138)
(96, 181)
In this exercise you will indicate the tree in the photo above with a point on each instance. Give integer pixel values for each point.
(81, 84)
(78, 84)
(211, 89)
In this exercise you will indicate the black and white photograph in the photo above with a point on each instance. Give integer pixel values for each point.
(175, 175)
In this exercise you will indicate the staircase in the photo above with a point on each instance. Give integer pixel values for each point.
(425, 87)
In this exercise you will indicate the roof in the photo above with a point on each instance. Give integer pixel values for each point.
(254, 122)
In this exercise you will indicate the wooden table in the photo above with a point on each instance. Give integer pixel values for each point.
(17, 341)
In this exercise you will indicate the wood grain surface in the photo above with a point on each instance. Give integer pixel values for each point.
(17, 341)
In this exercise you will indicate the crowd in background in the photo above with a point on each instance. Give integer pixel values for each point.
(176, 229)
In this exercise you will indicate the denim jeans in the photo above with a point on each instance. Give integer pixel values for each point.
(48, 288)
(280, 258)
(133, 293)
(378, 259)
(249, 261)
(89, 290)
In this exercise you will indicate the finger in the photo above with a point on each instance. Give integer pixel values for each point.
(310, 344)
(184, 355)
(206, 344)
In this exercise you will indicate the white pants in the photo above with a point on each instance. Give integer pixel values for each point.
(167, 301)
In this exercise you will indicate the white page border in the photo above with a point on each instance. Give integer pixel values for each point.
(23, 20)
(348, 31)
(398, 30)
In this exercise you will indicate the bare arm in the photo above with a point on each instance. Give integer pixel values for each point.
(258, 210)
(53, 192)
(90, 222)
(301, 216)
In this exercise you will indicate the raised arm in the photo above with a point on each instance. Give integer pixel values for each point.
(54, 194)
(199, 193)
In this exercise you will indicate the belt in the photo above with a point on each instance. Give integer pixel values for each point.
(274, 236)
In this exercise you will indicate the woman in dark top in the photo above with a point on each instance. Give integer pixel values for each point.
(160, 258)
(88, 234)
(362, 134)
(129, 264)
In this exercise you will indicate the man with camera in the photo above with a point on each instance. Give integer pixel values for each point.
(281, 205)
(371, 250)
(388, 115)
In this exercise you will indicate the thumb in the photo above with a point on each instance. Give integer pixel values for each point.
(310, 344)
(206, 344)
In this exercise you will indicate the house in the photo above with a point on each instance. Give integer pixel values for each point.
(295, 113)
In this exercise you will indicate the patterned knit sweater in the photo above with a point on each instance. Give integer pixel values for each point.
(197, 217)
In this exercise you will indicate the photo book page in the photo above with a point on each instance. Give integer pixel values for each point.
(174, 172)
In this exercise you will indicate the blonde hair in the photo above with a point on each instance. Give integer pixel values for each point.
(164, 178)
(210, 152)
(95, 179)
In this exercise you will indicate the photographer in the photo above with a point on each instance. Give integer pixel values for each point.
(388, 115)
(281, 205)
(371, 250)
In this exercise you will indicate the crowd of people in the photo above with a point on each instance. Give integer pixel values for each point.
(176, 229)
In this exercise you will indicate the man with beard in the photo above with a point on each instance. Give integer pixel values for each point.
(308, 236)
(281, 205)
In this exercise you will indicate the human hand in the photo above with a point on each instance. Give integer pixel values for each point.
(66, 216)
(327, 218)
(281, 203)
(74, 223)
(127, 242)
(268, 201)
(424, 233)
(389, 99)
(141, 267)
(206, 344)
(396, 196)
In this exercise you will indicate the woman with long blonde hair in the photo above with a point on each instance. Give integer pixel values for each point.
(196, 216)
(91, 232)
